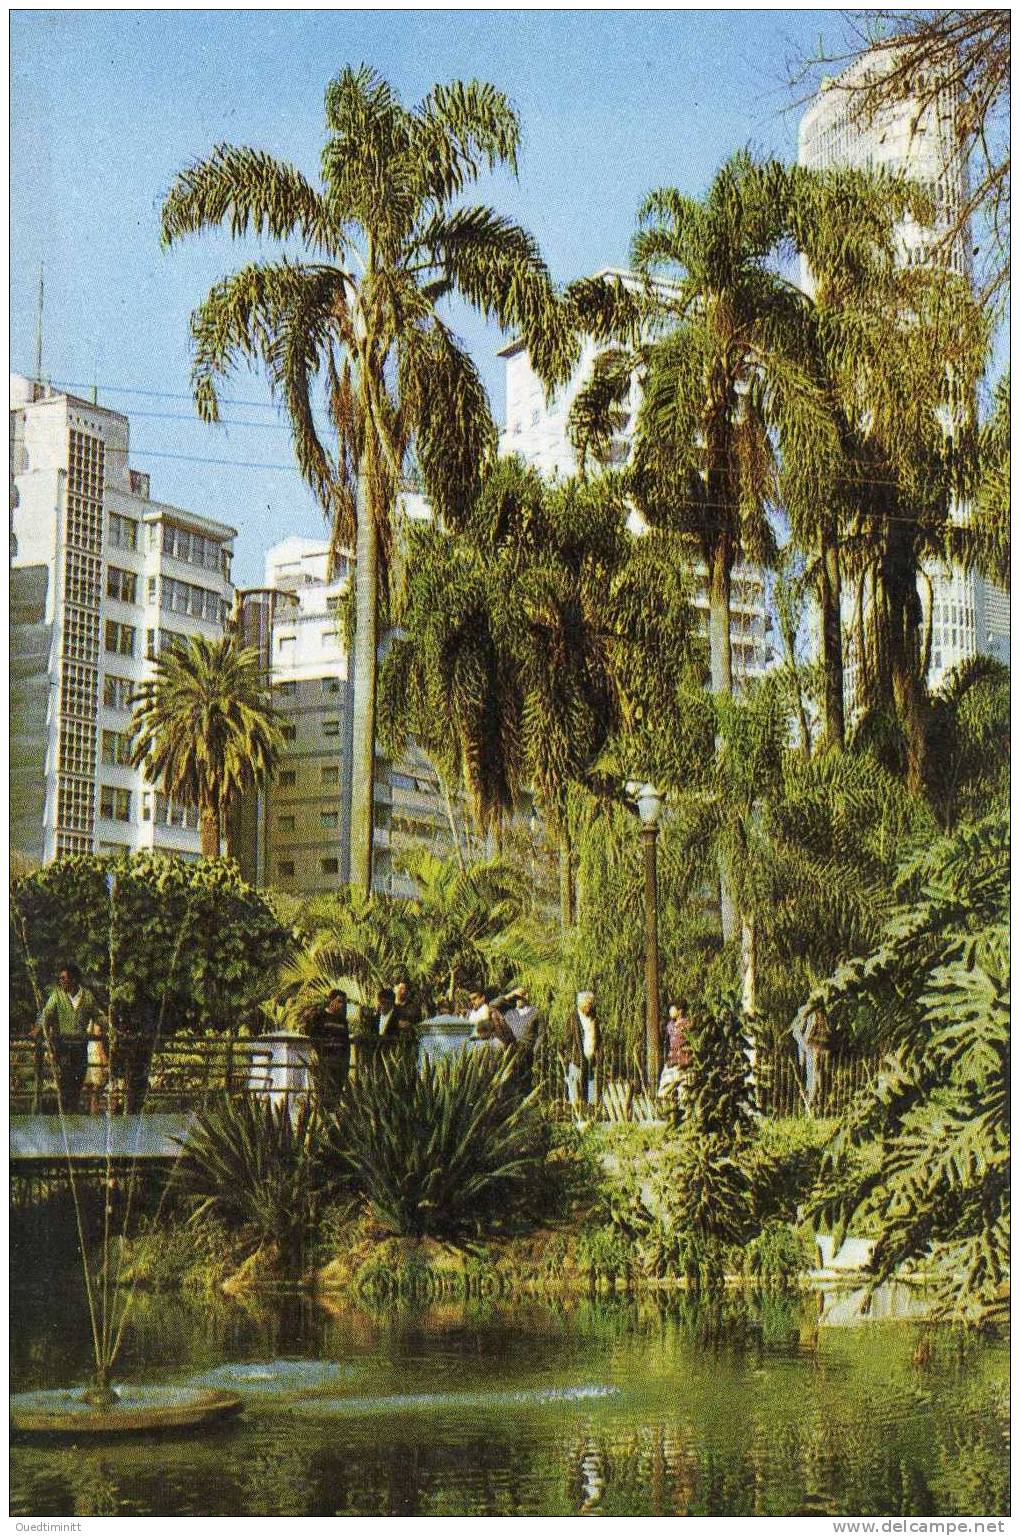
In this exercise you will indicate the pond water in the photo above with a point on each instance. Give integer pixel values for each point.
(615, 1407)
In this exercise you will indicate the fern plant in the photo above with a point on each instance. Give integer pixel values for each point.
(924, 1161)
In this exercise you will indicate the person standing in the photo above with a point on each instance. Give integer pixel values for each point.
(410, 1012)
(676, 1072)
(388, 1027)
(327, 1029)
(69, 1017)
(584, 1053)
(817, 1046)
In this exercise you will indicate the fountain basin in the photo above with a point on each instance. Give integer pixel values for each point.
(140, 1410)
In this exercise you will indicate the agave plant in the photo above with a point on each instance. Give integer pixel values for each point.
(446, 1149)
(260, 1171)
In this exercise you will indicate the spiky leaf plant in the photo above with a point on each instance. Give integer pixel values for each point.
(446, 1149)
(259, 1170)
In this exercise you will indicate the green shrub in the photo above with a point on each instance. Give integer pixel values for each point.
(785, 1166)
(604, 1249)
(260, 1171)
(171, 1255)
(446, 1149)
(778, 1254)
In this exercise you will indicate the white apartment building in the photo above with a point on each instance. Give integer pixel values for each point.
(103, 578)
(536, 429)
(305, 818)
(969, 615)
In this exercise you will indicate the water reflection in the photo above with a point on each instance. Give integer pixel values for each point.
(637, 1407)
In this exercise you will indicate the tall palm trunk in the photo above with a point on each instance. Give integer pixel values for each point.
(720, 658)
(904, 619)
(749, 964)
(830, 602)
(365, 648)
(451, 818)
(566, 881)
(209, 828)
(719, 585)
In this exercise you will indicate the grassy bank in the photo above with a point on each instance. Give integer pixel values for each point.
(605, 1216)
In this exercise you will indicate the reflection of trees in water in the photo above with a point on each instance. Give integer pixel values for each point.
(96, 1491)
(729, 1408)
(277, 1480)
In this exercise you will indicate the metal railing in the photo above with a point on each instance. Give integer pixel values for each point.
(781, 1086)
(179, 1075)
(187, 1073)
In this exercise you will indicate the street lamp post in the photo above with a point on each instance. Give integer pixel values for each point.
(649, 806)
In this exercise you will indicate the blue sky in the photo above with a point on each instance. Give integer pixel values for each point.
(107, 106)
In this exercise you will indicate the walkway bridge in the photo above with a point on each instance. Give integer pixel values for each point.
(150, 1103)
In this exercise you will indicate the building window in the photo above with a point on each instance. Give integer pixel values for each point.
(150, 589)
(117, 692)
(286, 690)
(287, 778)
(114, 804)
(158, 641)
(331, 727)
(123, 532)
(197, 602)
(146, 804)
(285, 642)
(330, 866)
(77, 746)
(286, 823)
(331, 685)
(122, 585)
(331, 778)
(171, 814)
(329, 818)
(116, 749)
(193, 548)
(330, 637)
(286, 868)
(120, 639)
(288, 732)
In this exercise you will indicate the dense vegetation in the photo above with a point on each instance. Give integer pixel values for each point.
(836, 833)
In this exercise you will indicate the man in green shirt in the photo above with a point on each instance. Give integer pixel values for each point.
(66, 1022)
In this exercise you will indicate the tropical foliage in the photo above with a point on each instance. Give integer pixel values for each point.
(204, 729)
(447, 1149)
(259, 1170)
(462, 931)
(528, 638)
(925, 1160)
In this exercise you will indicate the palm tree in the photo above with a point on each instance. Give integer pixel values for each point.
(459, 931)
(991, 515)
(897, 352)
(529, 638)
(721, 362)
(843, 224)
(204, 729)
(384, 243)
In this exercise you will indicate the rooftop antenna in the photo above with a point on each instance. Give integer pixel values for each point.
(39, 329)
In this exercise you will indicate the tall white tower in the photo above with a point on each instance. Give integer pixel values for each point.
(103, 579)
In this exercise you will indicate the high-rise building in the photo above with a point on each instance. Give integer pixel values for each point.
(103, 578)
(536, 429)
(304, 824)
(968, 614)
